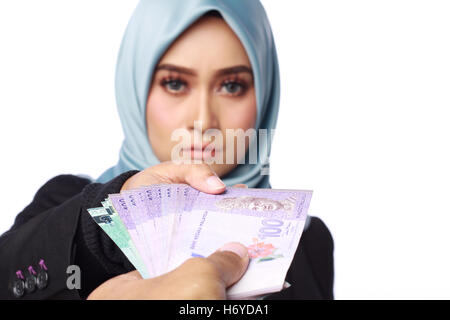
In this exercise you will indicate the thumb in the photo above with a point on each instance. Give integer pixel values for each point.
(231, 262)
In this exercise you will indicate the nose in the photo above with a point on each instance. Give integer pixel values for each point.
(203, 112)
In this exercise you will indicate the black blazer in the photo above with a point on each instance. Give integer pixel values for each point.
(55, 231)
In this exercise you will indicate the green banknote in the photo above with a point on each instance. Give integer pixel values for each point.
(108, 219)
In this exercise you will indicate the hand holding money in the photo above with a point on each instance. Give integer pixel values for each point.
(171, 213)
(198, 176)
(195, 279)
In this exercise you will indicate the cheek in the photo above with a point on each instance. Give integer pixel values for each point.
(160, 114)
(162, 120)
(241, 114)
(164, 115)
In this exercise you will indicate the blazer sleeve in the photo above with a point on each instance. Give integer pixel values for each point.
(54, 232)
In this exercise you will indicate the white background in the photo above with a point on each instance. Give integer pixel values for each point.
(363, 122)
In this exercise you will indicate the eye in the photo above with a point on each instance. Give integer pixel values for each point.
(174, 85)
(233, 88)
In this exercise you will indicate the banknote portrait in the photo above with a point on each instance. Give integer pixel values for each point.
(255, 203)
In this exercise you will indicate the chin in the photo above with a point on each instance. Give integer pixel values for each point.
(222, 169)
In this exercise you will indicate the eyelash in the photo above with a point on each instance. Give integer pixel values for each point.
(235, 80)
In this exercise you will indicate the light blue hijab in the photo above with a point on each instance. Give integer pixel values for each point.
(154, 25)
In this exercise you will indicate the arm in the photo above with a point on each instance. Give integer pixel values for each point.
(67, 235)
(54, 228)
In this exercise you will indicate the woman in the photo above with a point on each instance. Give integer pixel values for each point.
(181, 63)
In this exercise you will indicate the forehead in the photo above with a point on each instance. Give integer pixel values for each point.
(208, 43)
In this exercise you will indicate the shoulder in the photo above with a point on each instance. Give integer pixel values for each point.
(56, 191)
(53, 193)
(60, 188)
(319, 231)
(66, 182)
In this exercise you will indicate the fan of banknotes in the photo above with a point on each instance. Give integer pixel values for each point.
(160, 226)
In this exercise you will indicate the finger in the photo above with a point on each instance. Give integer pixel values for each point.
(240, 185)
(108, 289)
(132, 275)
(199, 176)
(231, 262)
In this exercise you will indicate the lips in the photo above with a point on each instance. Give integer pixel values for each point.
(202, 147)
(199, 153)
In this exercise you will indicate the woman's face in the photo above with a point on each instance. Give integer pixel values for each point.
(204, 76)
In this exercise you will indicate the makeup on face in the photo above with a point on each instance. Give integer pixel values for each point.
(177, 80)
(206, 76)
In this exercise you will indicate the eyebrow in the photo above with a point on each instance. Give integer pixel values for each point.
(220, 72)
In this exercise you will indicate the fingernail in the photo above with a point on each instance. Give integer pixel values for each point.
(235, 247)
(215, 182)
